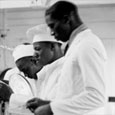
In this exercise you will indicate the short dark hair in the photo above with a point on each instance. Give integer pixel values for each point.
(60, 9)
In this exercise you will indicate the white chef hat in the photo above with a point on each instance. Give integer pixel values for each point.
(41, 33)
(23, 51)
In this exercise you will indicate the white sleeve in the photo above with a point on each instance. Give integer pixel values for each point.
(81, 86)
(17, 104)
(18, 100)
(19, 85)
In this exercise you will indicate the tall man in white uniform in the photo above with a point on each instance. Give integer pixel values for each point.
(79, 84)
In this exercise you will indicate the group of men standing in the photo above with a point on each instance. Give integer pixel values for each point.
(66, 84)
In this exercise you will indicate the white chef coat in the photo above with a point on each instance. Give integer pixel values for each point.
(79, 88)
(24, 88)
(21, 84)
(48, 80)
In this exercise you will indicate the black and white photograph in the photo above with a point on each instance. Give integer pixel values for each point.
(57, 57)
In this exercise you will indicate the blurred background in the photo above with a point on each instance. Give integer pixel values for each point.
(17, 16)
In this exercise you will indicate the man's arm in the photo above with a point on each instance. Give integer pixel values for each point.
(81, 88)
(5, 91)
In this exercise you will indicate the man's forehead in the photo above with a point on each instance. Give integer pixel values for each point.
(50, 20)
(40, 44)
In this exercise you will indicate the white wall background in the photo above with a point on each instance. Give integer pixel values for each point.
(100, 18)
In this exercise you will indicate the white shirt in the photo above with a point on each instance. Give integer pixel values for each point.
(79, 85)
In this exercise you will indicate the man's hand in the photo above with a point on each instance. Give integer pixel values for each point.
(5, 91)
(34, 103)
(43, 110)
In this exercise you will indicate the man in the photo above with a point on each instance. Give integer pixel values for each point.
(47, 49)
(22, 79)
(25, 71)
(80, 87)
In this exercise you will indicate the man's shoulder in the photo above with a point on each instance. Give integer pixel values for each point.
(56, 63)
(11, 72)
(52, 67)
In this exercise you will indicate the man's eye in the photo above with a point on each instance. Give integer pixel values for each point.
(37, 49)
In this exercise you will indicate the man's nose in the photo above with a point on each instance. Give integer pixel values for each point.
(36, 54)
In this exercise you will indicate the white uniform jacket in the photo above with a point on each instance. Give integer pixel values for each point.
(21, 84)
(23, 88)
(75, 83)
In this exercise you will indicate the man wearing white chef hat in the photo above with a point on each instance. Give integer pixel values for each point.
(50, 49)
(26, 69)
(22, 79)
(47, 49)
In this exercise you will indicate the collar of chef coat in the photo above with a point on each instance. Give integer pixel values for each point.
(75, 32)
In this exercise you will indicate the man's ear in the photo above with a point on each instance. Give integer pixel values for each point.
(66, 19)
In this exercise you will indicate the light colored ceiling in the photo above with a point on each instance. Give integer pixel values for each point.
(41, 3)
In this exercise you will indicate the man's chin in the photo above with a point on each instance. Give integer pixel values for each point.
(35, 78)
(63, 39)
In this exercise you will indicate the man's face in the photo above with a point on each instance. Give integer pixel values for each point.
(43, 53)
(33, 69)
(59, 29)
(28, 67)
